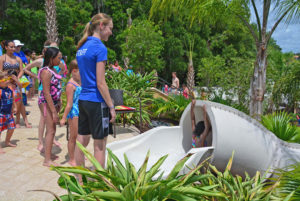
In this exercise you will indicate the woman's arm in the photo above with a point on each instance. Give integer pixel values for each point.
(62, 68)
(1, 62)
(69, 94)
(207, 126)
(14, 78)
(21, 72)
(14, 105)
(193, 119)
(103, 88)
(36, 63)
(46, 77)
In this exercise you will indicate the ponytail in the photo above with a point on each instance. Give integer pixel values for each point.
(86, 33)
(91, 26)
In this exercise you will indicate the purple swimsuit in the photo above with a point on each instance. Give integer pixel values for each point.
(55, 87)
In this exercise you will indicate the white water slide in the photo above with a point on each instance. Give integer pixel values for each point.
(256, 148)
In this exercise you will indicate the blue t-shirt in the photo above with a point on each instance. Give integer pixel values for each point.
(1, 50)
(88, 55)
(22, 56)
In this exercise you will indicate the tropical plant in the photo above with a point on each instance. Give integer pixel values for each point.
(121, 181)
(135, 87)
(63, 97)
(287, 86)
(279, 124)
(124, 182)
(170, 109)
(236, 187)
(214, 97)
(289, 182)
(144, 43)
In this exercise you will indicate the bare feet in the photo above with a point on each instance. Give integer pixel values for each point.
(49, 163)
(40, 147)
(56, 143)
(72, 163)
(18, 125)
(8, 144)
(28, 125)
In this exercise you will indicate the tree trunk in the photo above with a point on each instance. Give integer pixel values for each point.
(51, 25)
(258, 82)
(190, 76)
(129, 23)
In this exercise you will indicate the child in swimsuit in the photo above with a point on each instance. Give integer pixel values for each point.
(6, 109)
(71, 112)
(201, 129)
(49, 98)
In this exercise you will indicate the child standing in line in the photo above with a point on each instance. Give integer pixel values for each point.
(49, 98)
(71, 112)
(6, 109)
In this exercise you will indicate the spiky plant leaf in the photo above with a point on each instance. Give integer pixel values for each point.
(90, 157)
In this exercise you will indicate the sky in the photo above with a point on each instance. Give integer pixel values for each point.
(286, 36)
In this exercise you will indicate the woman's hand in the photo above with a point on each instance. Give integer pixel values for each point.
(55, 117)
(14, 78)
(113, 115)
(62, 122)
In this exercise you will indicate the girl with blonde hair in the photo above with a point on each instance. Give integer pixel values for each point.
(95, 103)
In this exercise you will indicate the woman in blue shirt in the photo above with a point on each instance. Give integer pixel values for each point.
(95, 102)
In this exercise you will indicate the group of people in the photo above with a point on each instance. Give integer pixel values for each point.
(174, 89)
(89, 108)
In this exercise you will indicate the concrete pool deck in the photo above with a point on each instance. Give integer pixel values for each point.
(21, 167)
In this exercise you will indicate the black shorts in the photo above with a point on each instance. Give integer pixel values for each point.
(93, 119)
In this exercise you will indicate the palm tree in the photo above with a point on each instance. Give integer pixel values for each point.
(287, 10)
(190, 80)
(51, 25)
(129, 23)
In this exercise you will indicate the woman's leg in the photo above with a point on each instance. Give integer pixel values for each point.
(73, 123)
(1, 150)
(50, 132)
(99, 151)
(18, 108)
(41, 132)
(23, 113)
(8, 137)
(79, 156)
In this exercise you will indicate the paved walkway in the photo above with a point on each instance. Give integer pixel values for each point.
(21, 167)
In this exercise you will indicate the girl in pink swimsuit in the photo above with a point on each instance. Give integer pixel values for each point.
(49, 98)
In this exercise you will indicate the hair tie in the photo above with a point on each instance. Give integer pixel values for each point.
(90, 22)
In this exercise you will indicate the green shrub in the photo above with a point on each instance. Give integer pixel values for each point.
(239, 106)
(279, 124)
(289, 182)
(134, 87)
(171, 109)
(124, 182)
(119, 182)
